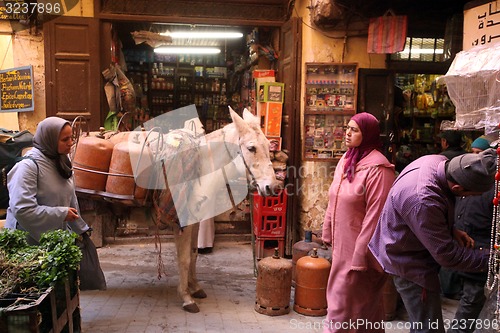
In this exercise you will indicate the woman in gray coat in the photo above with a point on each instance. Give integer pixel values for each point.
(41, 188)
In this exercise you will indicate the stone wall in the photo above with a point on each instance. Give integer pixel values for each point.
(325, 46)
(25, 47)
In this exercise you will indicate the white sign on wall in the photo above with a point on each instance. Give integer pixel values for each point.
(482, 25)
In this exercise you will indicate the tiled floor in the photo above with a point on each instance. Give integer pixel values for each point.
(137, 301)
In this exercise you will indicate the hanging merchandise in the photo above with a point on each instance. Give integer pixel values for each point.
(119, 93)
(326, 13)
(474, 88)
(153, 39)
(491, 309)
(387, 33)
(268, 52)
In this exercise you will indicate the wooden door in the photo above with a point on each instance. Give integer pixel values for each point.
(376, 96)
(72, 75)
(290, 74)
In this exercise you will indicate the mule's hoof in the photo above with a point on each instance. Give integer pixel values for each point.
(191, 307)
(199, 294)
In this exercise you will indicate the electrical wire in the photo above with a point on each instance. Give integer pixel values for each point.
(6, 52)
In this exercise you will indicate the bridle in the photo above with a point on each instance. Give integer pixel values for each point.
(252, 176)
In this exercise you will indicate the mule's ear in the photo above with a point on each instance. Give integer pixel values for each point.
(233, 114)
(250, 118)
(241, 125)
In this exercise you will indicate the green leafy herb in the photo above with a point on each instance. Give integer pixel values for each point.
(61, 256)
(28, 267)
(12, 241)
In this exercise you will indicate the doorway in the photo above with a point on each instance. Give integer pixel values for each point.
(285, 38)
(212, 81)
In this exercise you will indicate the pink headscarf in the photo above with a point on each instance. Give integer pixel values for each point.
(370, 129)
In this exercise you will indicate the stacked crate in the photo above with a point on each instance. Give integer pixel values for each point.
(55, 310)
(269, 223)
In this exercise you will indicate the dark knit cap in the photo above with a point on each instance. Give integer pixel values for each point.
(475, 172)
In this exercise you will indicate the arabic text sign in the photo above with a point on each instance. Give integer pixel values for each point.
(482, 25)
(16, 89)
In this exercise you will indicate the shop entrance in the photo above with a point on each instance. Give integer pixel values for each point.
(286, 39)
(173, 74)
(166, 80)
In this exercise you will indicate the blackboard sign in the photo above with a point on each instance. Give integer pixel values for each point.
(16, 89)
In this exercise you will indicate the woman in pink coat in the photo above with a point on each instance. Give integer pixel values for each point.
(357, 194)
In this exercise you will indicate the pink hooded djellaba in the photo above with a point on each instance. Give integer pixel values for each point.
(355, 285)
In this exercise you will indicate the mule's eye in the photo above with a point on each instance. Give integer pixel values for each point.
(252, 149)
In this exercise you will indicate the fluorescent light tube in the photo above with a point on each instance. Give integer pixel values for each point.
(423, 51)
(186, 50)
(204, 34)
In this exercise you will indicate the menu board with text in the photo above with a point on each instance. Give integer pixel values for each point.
(16, 89)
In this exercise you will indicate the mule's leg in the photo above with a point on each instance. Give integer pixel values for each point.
(194, 286)
(184, 250)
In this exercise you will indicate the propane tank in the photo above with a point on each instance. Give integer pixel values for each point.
(91, 162)
(310, 285)
(274, 285)
(323, 251)
(300, 249)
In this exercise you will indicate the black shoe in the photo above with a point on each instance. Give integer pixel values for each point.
(204, 250)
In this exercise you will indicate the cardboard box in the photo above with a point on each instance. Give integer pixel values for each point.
(271, 92)
(258, 73)
(271, 118)
(260, 76)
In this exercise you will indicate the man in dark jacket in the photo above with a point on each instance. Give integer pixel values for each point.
(451, 143)
(473, 214)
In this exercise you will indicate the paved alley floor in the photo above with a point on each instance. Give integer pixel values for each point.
(137, 301)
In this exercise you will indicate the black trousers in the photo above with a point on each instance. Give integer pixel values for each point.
(471, 304)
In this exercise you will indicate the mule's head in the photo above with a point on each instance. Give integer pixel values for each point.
(254, 148)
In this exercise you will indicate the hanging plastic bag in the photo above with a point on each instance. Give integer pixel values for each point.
(90, 273)
(387, 33)
(120, 95)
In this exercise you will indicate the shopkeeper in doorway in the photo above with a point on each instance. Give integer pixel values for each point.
(206, 236)
(357, 194)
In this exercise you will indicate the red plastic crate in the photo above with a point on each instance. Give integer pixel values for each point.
(264, 247)
(269, 215)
